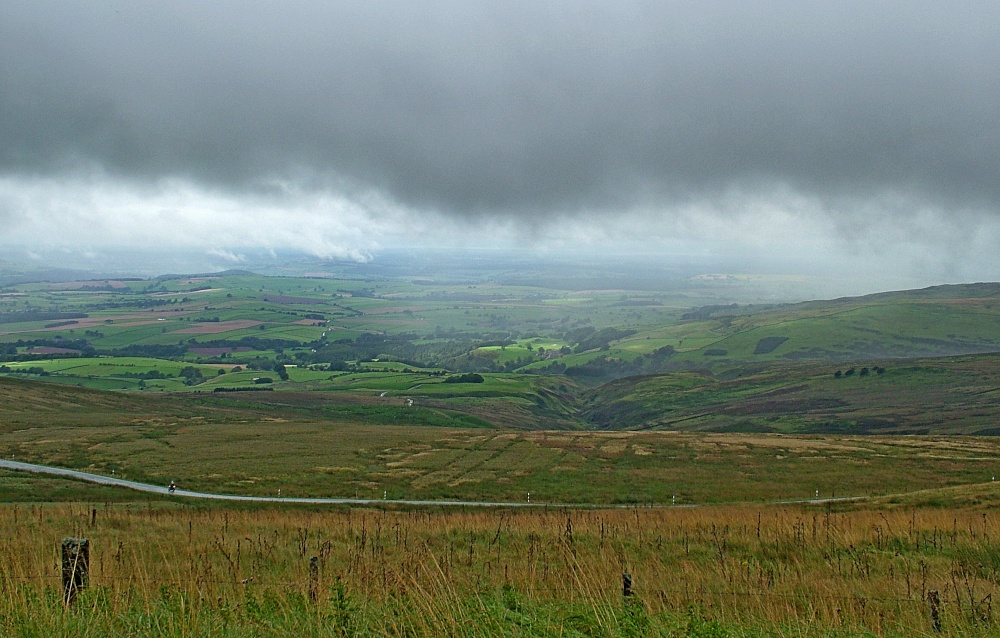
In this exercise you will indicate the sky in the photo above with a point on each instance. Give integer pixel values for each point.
(850, 138)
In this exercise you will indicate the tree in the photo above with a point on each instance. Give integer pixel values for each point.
(282, 373)
(192, 375)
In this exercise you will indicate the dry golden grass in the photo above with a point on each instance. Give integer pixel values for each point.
(776, 570)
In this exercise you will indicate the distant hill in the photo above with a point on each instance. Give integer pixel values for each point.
(221, 273)
(918, 361)
(938, 321)
(12, 277)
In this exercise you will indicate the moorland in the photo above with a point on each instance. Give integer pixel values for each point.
(759, 465)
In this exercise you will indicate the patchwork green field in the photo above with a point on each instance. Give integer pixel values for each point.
(547, 354)
(480, 324)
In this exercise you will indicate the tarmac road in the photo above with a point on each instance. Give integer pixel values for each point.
(160, 489)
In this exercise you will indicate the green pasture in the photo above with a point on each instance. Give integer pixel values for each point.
(113, 373)
(26, 335)
(506, 354)
(492, 385)
(108, 366)
(302, 334)
(231, 359)
(388, 324)
(230, 379)
(375, 381)
(122, 335)
(391, 366)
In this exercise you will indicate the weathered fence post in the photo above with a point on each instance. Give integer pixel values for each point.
(934, 600)
(626, 584)
(75, 567)
(314, 578)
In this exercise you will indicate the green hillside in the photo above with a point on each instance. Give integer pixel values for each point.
(938, 321)
(912, 396)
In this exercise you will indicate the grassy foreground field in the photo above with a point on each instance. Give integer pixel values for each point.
(164, 570)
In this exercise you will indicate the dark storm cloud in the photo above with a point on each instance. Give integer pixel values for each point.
(517, 108)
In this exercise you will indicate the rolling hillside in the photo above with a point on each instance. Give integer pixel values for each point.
(949, 395)
(937, 321)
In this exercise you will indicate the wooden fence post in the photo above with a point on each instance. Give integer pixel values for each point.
(934, 600)
(626, 584)
(314, 578)
(75, 567)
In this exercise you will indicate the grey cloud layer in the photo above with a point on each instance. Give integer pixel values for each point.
(515, 108)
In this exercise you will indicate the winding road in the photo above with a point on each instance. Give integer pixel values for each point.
(159, 489)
